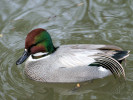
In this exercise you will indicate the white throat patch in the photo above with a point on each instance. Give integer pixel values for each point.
(31, 59)
(40, 54)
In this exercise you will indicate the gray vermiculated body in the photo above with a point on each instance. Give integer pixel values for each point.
(78, 74)
(68, 64)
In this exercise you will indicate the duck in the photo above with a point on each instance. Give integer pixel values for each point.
(69, 63)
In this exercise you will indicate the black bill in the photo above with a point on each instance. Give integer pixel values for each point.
(23, 57)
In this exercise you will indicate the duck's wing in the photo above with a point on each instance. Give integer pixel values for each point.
(106, 56)
(108, 50)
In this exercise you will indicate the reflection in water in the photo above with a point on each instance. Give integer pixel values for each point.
(68, 22)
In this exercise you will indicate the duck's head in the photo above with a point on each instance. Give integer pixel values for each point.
(37, 41)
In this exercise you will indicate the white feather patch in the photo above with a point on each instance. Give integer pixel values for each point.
(40, 53)
(102, 69)
(103, 72)
(31, 59)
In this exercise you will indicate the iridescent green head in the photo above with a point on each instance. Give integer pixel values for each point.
(38, 40)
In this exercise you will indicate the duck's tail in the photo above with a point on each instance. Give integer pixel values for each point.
(120, 55)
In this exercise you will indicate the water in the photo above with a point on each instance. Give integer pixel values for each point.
(68, 22)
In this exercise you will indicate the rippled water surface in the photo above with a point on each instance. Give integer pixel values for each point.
(68, 22)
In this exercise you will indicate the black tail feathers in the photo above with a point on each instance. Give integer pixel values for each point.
(120, 55)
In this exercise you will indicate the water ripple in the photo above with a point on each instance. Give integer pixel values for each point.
(68, 22)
